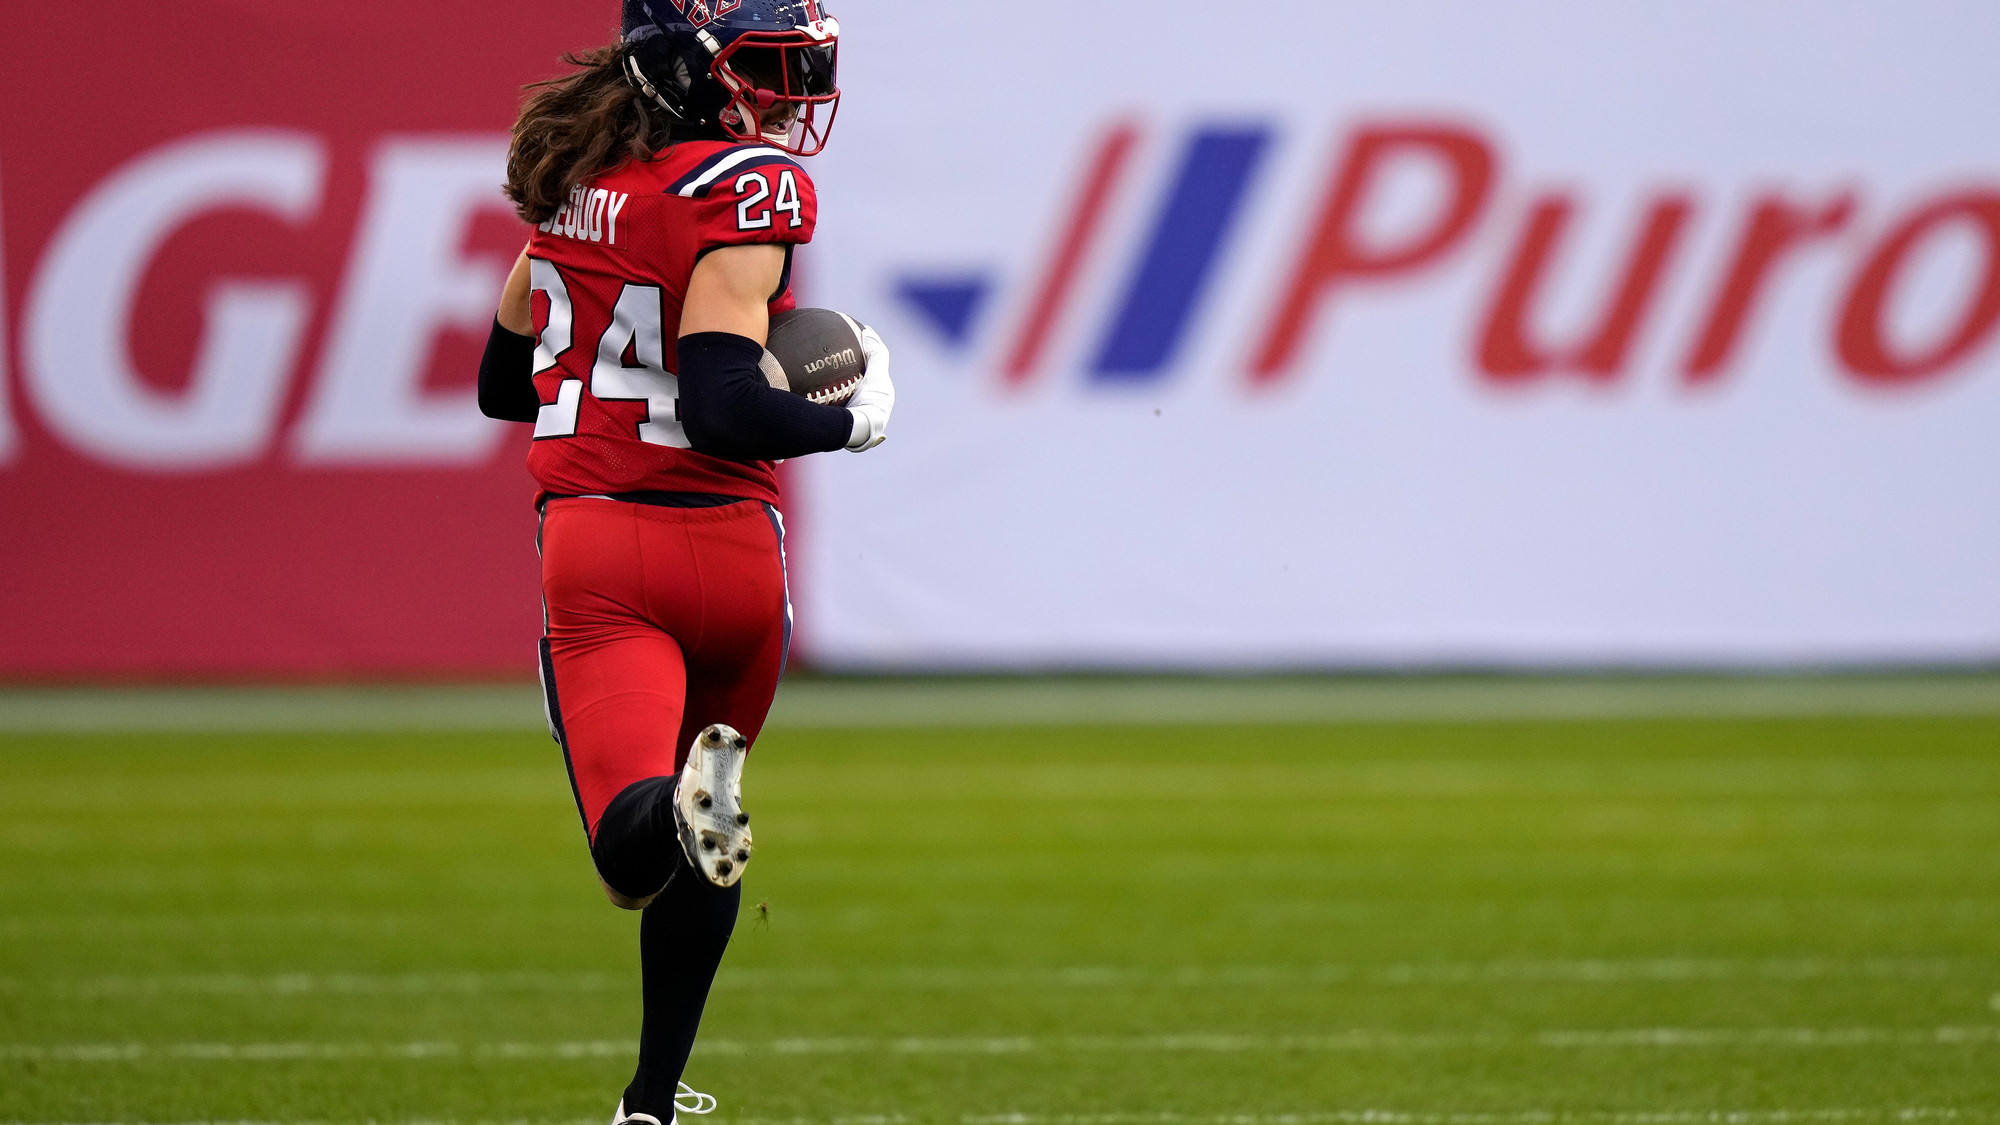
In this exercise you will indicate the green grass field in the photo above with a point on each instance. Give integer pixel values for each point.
(1499, 922)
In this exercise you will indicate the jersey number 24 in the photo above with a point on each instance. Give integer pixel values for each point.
(759, 190)
(635, 326)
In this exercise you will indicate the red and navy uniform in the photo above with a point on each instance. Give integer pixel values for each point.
(661, 618)
(610, 271)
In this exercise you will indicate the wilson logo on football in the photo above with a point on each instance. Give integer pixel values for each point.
(845, 355)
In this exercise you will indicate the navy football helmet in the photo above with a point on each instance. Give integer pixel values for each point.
(755, 70)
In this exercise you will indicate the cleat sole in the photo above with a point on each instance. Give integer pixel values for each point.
(708, 806)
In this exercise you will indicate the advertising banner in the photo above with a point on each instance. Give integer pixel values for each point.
(1227, 336)
(1437, 332)
(251, 254)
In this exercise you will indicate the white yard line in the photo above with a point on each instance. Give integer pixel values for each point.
(1475, 1117)
(1359, 1040)
(1312, 1117)
(1661, 970)
(1006, 701)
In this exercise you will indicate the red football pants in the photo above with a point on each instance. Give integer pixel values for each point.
(660, 622)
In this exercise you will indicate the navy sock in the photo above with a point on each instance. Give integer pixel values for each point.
(637, 846)
(681, 939)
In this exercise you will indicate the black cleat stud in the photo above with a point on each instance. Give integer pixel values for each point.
(743, 857)
(723, 868)
(743, 818)
(705, 802)
(707, 845)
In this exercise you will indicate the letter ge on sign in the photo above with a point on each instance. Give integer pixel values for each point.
(407, 280)
(79, 372)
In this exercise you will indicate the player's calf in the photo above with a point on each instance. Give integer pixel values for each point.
(625, 901)
(701, 808)
(633, 847)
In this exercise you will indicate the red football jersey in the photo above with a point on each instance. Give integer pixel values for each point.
(609, 273)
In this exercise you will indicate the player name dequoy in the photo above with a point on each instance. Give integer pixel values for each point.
(591, 215)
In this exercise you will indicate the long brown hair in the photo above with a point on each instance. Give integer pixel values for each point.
(573, 127)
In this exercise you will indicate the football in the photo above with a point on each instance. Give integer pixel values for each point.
(814, 353)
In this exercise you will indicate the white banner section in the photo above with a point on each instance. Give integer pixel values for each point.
(1435, 332)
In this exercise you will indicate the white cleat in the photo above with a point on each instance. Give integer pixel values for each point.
(620, 1117)
(708, 809)
(687, 1100)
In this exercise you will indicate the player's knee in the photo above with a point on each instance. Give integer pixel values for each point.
(637, 843)
(624, 901)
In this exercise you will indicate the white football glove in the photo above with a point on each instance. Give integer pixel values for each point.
(874, 398)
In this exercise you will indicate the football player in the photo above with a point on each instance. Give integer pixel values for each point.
(664, 182)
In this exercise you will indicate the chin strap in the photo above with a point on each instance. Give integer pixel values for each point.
(638, 78)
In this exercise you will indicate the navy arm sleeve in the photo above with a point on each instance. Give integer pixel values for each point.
(729, 410)
(506, 377)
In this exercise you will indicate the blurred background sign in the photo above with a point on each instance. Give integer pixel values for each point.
(252, 252)
(1446, 331)
(1330, 334)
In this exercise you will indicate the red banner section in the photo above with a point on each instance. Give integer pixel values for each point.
(251, 252)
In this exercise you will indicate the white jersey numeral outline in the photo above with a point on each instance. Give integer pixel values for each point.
(636, 323)
(558, 418)
(788, 198)
(744, 220)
